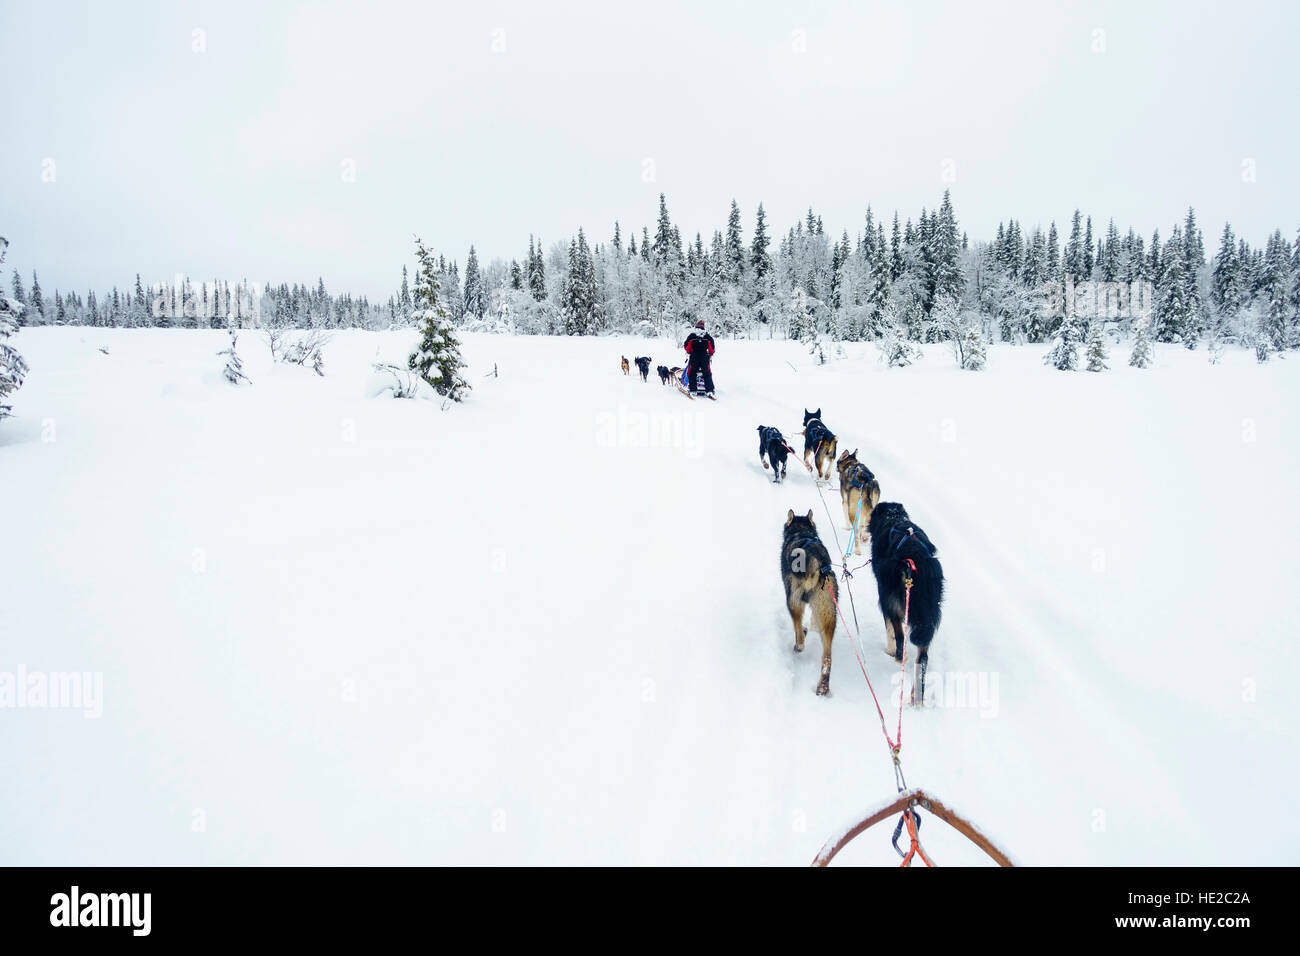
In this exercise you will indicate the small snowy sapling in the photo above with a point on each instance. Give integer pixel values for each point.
(234, 370)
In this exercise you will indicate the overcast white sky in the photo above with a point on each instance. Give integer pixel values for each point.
(230, 162)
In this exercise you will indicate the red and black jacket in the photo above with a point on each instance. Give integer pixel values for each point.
(699, 346)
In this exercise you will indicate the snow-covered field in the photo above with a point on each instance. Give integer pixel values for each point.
(547, 625)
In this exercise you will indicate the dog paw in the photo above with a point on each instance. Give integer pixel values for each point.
(824, 688)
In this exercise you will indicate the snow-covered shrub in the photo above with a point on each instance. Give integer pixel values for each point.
(963, 330)
(274, 338)
(306, 347)
(895, 349)
(973, 354)
(490, 324)
(1064, 354)
(402, 382)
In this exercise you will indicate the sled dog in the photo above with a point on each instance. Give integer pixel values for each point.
(901, 552)
(818, 441)
(809, 580)
(859, 492)
(772, 450)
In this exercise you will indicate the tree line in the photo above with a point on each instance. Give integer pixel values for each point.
(892, 279)
(883, 282)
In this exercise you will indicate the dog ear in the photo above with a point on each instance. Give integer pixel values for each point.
(810, 518)
(817, 414)
(789, 516)
(855, 453)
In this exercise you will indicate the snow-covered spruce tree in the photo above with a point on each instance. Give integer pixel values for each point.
(1064, 354)
(234, 370)
(1140, 357)
(536, 272)
(798, 315)
(437, 358)
(13, 368)
(1174, 307)
(475, 292)
(1096, 349)
(803, 326)
(1274, 295)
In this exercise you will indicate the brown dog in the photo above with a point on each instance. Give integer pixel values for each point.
(820, 442)
(809, 579)
(859, 492)
(627, 369)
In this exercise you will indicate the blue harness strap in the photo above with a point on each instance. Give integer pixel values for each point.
(853, 532)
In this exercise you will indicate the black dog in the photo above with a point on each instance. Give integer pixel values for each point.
(772, 448)
(663, 374)
(643, 366)
(901, 552)
(820, 442)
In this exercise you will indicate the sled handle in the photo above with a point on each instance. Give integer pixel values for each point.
(918, 799)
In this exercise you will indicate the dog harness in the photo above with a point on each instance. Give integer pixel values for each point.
(861, 475)
(817, 432)
(898, 536)
(805, 542)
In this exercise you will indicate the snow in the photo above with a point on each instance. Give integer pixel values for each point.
(547, 626)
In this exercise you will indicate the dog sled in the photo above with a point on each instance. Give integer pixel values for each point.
(691, 388)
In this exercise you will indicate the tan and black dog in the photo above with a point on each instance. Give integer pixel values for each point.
(859, 492)
(820, 442)
(627, 369)
(809, 579)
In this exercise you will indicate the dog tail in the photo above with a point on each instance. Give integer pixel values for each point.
(925, 609)
(826, 576)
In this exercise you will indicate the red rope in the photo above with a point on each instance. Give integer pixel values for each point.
(897, 743)
(915, 849)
